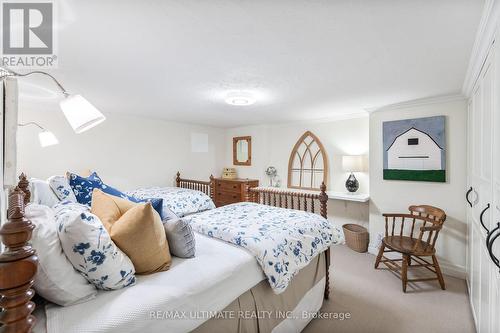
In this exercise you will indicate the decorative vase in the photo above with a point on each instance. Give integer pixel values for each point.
(352, 184)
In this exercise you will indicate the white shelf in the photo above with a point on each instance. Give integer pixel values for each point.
(333, 195)
(357, 197)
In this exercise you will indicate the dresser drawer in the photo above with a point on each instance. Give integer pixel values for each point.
(228, 197)
(232, 187)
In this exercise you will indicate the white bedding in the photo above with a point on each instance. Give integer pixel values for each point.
(180, 201)
(282, 240)
(209, 282)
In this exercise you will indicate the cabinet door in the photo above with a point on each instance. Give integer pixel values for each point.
(470, 148)
(483, 103)
(481, 142)
(495, 274)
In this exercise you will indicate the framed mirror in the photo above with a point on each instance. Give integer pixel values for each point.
(242, 150)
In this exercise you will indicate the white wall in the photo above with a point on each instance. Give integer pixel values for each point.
(127, 151)
(273, 143)
(395, 196)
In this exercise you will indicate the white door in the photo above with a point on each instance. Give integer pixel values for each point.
(495, 210)
(483, 110)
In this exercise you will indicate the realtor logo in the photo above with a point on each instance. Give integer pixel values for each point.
(28, 34)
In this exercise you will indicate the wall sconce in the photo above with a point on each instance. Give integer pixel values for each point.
(46, 138)
(81, 115)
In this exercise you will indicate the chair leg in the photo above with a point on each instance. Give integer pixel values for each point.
(380, 255)
(438, 272)
(404, 271)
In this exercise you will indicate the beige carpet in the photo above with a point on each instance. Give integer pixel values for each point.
(376, 303)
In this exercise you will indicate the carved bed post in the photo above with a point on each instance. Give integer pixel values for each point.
(178, 179)
(23, 184)
(18, 266)
(323, 199)
(212, 187)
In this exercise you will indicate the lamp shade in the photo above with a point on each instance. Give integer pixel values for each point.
(80, 114)
(352, 163)
(47, 138)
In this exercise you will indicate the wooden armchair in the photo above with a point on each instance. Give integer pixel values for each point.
(428, 221)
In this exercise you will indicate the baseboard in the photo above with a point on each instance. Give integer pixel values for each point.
(456, 271)
(474, 317)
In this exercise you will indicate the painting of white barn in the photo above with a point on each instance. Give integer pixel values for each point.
(414, 149)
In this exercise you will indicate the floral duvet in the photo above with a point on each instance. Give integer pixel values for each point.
(282, 240)
(180, 201)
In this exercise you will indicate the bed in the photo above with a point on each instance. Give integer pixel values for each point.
(187, 197)
(211, 292)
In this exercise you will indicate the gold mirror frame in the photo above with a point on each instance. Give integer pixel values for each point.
(235, 151)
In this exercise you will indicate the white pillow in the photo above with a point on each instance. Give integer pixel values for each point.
(56, 280)
(90, 249)
(41, 193)
(60, 186)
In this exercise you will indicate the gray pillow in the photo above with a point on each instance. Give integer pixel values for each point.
(167, 213)
(180, 238)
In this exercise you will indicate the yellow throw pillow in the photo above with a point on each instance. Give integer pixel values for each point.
(137, 230)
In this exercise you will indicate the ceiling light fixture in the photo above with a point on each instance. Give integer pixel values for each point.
(240, 99)
(81, 115)
(46, 138)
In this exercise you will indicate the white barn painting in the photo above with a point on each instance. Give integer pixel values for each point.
(414, 149)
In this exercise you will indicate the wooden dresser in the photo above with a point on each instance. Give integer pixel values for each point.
(228, 191)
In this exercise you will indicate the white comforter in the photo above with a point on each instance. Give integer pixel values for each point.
(209, 282)
(282, 240)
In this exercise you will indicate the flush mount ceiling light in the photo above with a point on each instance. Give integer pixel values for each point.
(81, 115)
(240, 99)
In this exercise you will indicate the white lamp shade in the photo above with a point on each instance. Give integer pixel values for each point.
(47, 138)
(352, 163)
(80, 114)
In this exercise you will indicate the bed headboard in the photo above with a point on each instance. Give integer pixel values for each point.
(18, 264)
(206, 187)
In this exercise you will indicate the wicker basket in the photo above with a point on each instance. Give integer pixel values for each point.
(356, 237)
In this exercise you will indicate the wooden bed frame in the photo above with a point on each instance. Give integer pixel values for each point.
(292, 199)
(19, 262)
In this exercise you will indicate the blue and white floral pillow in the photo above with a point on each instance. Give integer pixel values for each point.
(62, 189)
(83, 187)
(90, 249)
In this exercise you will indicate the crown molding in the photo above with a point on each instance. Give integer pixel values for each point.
(485, 37)
(337, 117)
(419, 102)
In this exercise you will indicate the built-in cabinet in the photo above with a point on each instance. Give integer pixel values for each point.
(483, 207)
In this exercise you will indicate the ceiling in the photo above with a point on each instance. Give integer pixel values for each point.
(301, 59)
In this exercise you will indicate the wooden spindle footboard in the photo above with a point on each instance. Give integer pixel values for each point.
(294, 199)
(206, 187)
(18, 265)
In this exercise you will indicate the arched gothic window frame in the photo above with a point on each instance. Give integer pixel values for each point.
(295, 154)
